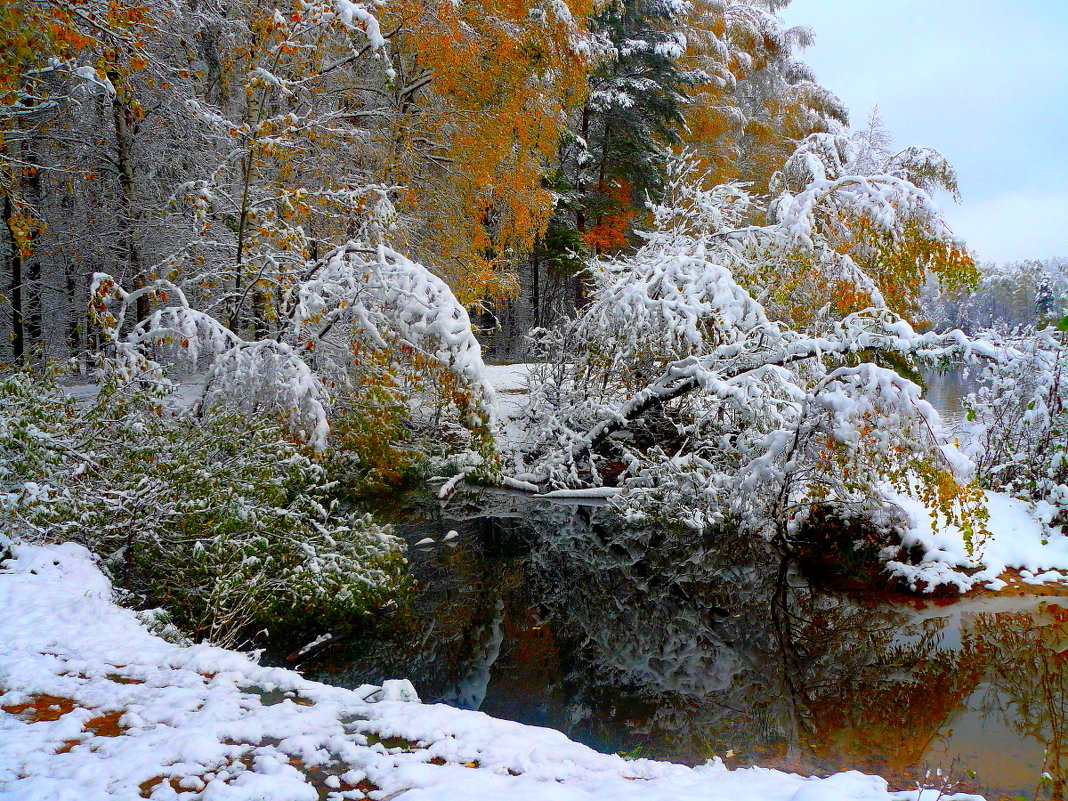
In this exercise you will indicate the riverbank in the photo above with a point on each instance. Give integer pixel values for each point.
(95, 706)
(1021, 552)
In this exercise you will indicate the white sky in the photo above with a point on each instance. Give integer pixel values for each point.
(984, 81)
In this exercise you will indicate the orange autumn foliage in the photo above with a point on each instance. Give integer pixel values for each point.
(41, 42)
(471, 144)
(734, 133)
(611, 231)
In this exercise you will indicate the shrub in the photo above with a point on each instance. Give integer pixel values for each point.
(223, 519)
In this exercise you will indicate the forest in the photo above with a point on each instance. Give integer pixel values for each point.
(267, 270)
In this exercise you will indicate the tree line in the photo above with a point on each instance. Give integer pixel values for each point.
(225, 146)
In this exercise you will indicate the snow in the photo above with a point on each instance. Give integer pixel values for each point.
(135, 716)
(322, 638)
(507, 377)
(374, 294)
(693, 325)
(509, 385)
(509, 382)
(1021, 537)
(381, 290)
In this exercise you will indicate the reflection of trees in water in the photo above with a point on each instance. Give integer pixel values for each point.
(449, 638)
(723, 645)
(623, 636)
(1028, 682)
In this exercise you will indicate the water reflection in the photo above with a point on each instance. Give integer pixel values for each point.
(1026, 654)
(670, 646)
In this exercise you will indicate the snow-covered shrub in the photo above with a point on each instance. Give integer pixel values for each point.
(1016, 424)
(223, 520)
(361, 344)
(677, 384)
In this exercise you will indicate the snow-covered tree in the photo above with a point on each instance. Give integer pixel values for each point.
(864, 219)
(1015, 427)
(676, 383)
(752, 98)
(1015, 296)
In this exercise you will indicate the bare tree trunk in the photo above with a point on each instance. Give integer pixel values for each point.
(123, 117)
(580, 298)
(259, 315)
(535, 289)
(18, 336)
(34, 314)
(33, 323)
(75, 310)
(580, 188)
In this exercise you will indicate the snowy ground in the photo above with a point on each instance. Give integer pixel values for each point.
(1020, 538)
(508, 378)
(95, 707)
(509, 381)
(186, 393)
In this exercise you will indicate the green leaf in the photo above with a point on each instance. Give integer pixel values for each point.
(1063, 324)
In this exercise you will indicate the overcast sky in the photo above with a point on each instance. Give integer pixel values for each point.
(985, 82)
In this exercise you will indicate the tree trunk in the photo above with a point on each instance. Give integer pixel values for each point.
(580, 297)
(259, 315)
(18, 336)
(129, 218)
(32, 312)
(678, 379)
(580, 187)
(535, 289)
(75, 312)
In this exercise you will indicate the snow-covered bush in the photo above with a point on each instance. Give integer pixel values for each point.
(1015, 428)
(364, 341)
(677, 384)
(223, 520)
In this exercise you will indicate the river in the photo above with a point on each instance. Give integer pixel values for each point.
(682, 648)
(657, 645)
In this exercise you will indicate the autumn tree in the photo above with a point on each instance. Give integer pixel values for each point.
(753, 98)
(479, 101)
(40, 71)
(864, 226)
(101, 128)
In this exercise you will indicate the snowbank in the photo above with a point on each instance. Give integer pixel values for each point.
(95, 706)
(1021, 538)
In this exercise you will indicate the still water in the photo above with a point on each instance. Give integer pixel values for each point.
(683, 648)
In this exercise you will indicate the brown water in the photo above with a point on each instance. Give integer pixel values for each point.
(683, 648)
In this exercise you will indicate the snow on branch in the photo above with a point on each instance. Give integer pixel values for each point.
(388, 299)
(271, 374)
(250, 375)
(361, 293)
(832, 179)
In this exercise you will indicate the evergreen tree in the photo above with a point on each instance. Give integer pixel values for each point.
(617, 153)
